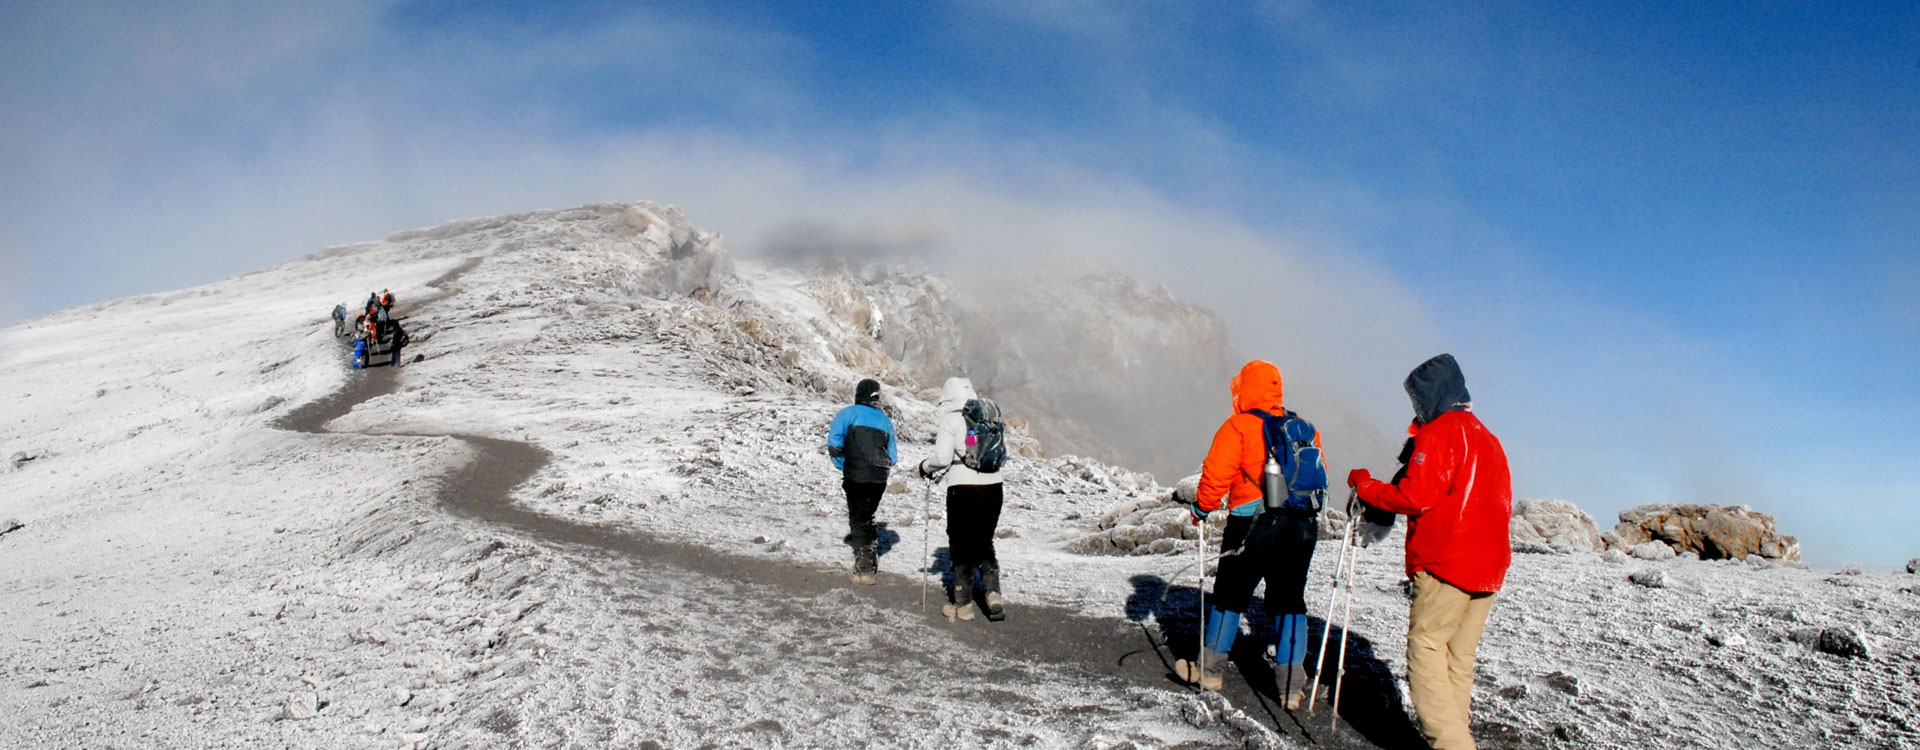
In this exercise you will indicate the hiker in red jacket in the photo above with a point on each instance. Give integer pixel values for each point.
(1458, 498)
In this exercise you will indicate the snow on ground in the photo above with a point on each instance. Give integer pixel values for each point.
(599, 512)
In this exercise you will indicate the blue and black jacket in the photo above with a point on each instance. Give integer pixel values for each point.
(861, 441)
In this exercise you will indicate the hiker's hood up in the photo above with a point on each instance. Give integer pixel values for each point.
(1437, 386)
(1257, 387)
(956, 394)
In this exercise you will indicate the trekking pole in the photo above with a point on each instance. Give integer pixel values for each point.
(1200, 676)
(1346, 622)
(1326, 623)
(926, 544)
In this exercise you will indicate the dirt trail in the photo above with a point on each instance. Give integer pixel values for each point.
(1124, 652)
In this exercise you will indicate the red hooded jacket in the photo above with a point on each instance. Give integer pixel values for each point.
(1457, 494)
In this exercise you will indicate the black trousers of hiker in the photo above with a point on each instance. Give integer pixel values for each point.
(1276, 546)
(863, 498)
(973, 512)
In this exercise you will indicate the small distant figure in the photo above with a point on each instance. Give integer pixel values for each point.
(386, 300)
(399, 342)
(360, 348)
(339, 320)
(861, 444)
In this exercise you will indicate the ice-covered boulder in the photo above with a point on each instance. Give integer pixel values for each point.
(1714, 532)
(1913, 566)
(1148, 526)
(1553, 526)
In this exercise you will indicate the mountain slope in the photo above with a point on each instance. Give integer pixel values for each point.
(598, 512)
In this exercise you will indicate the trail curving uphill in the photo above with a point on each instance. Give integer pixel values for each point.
(1100, 651)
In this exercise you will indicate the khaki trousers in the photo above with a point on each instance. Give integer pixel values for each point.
(1443, 630)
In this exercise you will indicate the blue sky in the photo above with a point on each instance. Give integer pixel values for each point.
(1677, 246)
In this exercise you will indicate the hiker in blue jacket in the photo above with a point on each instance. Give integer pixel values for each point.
(861, 444)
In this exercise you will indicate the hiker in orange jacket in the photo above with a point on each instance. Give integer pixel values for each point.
(1273, 541)
(1458, 497)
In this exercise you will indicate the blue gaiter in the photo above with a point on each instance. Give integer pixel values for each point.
(1222, 627)
(1290, 642)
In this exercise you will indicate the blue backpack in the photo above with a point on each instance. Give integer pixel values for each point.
(986, 447)
(1302, 469)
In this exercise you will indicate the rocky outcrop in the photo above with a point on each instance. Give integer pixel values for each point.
(1148, 526)
(1553, 526)
(1913, 566)
(1151, 526)
(1713, 532)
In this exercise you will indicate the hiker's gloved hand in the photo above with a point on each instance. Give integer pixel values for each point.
(1198, 514)
(928, 472)
(1356, 506)
(1358, 477)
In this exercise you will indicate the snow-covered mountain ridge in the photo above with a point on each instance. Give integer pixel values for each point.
(598, 513)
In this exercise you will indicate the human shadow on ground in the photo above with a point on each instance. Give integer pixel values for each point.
(884, 539)
(1370, 704)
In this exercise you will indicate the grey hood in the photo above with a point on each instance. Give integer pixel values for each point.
(1437, 386)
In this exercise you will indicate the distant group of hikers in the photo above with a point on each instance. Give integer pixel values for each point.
(1265, 469)
(375, 326)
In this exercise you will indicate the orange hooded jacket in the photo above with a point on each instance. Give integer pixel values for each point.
(1238, 456)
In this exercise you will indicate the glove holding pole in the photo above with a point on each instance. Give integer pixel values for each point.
(1372, 526)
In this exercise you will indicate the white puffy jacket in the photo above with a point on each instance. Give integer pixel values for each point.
(950, 438)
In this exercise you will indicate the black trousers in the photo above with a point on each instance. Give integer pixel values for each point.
(863, 498)
(1276, 546)
(973, 512)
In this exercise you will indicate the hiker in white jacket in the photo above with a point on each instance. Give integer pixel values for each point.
(973, 506)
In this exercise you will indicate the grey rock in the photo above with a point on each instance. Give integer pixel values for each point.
(1615, 556)
(1913, 566)
(1842, 641)
(1653, 579)
(300, 706)
(11, 525)
(1651, 550)
(1564, 683)
(20, 458)
(1553, 526)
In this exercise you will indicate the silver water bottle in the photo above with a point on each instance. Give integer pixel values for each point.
(1273, 485)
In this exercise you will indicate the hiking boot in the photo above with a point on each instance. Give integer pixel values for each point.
(996, 607)
(960, 596)
(1212, 678)
(866, 566)
(1291, 684)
